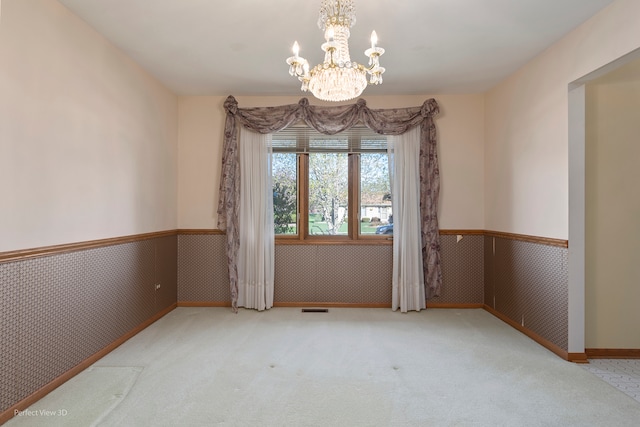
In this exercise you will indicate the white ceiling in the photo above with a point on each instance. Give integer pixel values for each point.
(239, 47)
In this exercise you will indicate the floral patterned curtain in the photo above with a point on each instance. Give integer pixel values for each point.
(332, 120)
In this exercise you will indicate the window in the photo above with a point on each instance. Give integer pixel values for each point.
(333, 187)
(375, 194)
(285, 192)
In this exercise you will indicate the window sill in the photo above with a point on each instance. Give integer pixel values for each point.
(372, 241)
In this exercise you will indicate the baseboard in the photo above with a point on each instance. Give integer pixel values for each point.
(332, 304)
(204, 303)
(452, 305)
(577, 357)
(326, 304)
(284, 304)
(613, 353)
(57, 382)
(571, 357)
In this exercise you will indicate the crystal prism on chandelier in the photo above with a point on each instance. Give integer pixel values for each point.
(337, 78)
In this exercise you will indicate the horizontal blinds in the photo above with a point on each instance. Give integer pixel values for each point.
(298, 139)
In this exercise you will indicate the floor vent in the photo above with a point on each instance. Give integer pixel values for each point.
(315, 310)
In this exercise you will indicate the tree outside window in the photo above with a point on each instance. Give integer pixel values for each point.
(337, 187)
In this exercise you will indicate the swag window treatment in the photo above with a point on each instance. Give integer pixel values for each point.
(332, 120)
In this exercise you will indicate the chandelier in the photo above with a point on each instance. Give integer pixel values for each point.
(337, 78)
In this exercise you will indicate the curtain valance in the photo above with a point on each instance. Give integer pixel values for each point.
(332, 120)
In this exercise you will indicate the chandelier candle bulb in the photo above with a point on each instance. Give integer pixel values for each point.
(374, 39)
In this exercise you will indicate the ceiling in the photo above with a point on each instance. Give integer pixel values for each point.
(221, 47)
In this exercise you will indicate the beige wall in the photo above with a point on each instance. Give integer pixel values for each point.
(526, 125)
(461, 132)
(88, 140)
(613, 209)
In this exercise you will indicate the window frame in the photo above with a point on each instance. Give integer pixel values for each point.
(353, 237)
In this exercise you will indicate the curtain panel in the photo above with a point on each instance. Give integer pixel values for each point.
(255, 219)
(407, 280)
(329, 121)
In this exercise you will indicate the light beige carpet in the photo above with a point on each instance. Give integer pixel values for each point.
(349, 367)
(84, 400)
